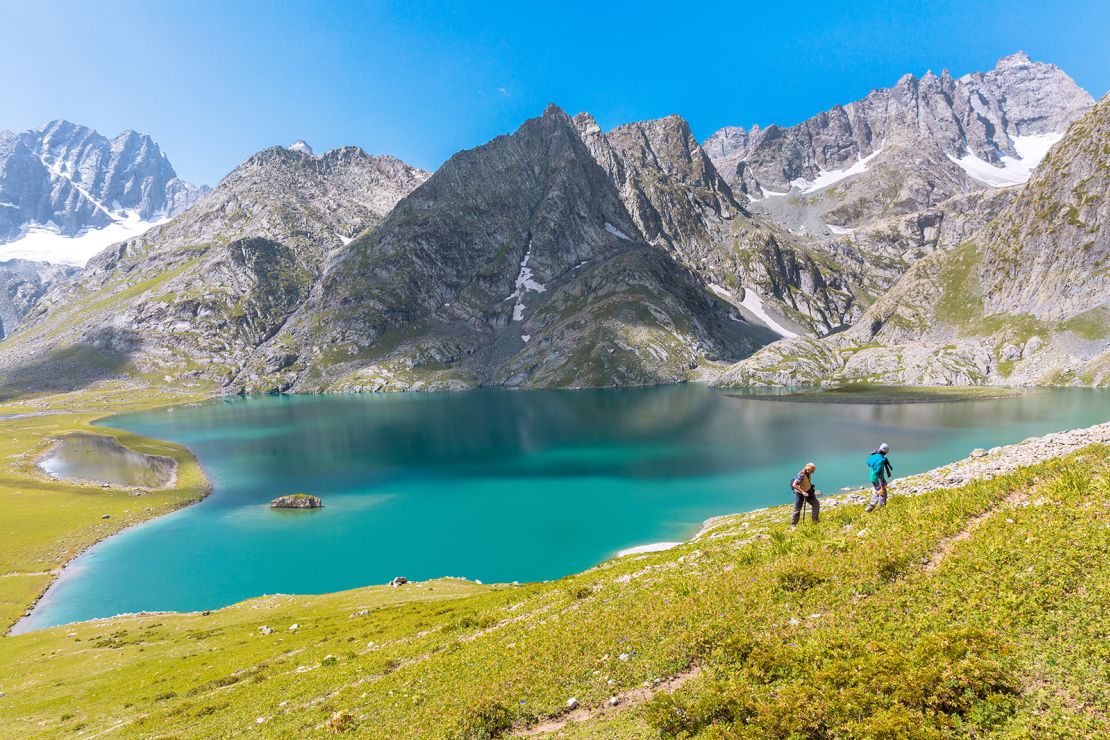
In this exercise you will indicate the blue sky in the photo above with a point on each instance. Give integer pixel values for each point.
(214, 82)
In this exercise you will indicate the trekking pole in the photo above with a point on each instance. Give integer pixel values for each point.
(805, 503)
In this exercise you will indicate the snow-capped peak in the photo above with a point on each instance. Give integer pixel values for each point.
(300, 145)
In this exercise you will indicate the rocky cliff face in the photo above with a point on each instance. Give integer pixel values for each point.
(680, 203)
(22, 283)
(195, 296)
(565, 256)
(517, 264)
(1025, 300)
(904, 148)
(72, 178)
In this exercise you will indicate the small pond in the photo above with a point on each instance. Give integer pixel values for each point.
(95, 458)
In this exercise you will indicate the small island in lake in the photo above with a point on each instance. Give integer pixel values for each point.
(297, 501)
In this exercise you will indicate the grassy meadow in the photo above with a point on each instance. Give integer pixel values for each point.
(976, 611)
(47, 522)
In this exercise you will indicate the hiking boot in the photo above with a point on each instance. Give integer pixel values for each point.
(869, 509)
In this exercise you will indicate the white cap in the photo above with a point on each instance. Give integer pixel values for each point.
(884, 447)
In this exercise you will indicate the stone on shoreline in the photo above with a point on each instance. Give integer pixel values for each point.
(297, 501)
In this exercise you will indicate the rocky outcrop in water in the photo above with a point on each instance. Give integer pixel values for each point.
(297, 501)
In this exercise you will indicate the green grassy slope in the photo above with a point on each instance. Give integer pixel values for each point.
(45, 523)
(969, 611)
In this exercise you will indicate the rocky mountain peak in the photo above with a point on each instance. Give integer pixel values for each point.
(938, 137)
(515, 263)
(1017, 59)
(64, 179)
(1036, 97)
(1024, 299)
(300, 145)
(729, 141)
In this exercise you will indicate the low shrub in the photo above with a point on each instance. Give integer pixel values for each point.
(483, 722)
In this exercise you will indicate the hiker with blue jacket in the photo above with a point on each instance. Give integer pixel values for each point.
(879, 468)
(804, 493)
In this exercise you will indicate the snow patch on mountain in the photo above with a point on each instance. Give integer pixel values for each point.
(1031, 150)
(300, 145)
(827, 178)
(48, 244)
(524, 283)
(616, 232)
(754, 303)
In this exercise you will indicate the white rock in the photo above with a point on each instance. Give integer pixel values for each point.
(614, 701)
(266, 630)
(572, 703)
(294, 627)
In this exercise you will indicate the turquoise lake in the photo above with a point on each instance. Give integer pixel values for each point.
(494, 485)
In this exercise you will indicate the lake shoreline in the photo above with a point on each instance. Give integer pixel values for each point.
(32, 469)
(885, 395)
(982, 464)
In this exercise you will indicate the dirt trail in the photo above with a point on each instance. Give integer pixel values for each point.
(948, 544)
(625, 700)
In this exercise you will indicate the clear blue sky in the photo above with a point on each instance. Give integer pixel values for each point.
(214, 82)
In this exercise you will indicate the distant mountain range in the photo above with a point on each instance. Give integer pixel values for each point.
(66, 191)
(566, 256)
(903, 148)
(1024, 300)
